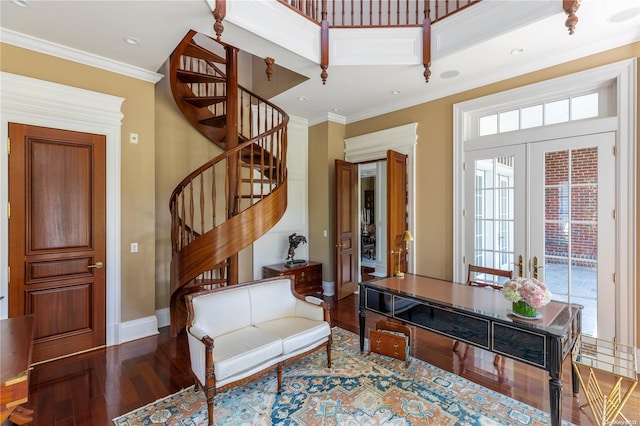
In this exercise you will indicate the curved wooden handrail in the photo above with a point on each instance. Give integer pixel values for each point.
(232, 151)
(236, 234)
(228, 202)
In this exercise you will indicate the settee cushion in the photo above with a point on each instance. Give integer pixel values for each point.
(296, 332)
(222, 312)
(244, 349)
(271, 300)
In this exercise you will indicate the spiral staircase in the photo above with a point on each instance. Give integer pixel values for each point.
(231, 200)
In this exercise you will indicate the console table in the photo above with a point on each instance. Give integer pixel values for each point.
(307, 276)
(480, 318)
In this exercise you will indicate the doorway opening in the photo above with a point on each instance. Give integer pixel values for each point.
(372, 220)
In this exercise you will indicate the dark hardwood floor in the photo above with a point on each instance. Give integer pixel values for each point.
(95, 387)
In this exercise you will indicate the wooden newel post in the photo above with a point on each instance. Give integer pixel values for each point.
(324, 44)
(231, 139)
(219, 13)
(426, 48)
(571, 7)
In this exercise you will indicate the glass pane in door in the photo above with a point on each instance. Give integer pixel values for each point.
(494, 212)
(571, 229)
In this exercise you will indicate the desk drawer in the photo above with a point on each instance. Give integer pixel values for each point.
(526, 346)
(457, 325)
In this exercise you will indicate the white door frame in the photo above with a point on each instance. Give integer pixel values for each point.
(42, 103)
(623, 74)
(374, 146)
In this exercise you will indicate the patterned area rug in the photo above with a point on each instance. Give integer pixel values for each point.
(357, 390)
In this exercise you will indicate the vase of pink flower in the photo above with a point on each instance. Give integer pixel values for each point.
(527, 295)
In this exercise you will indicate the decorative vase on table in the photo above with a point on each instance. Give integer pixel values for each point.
(527, 295)
(523, 308)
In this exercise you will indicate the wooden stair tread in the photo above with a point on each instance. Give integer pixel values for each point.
(217, 121)
(196, 77)
(204, 101)
(195, 51)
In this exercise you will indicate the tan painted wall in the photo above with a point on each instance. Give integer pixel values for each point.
(319, 211)
(434, 157)
(137, 167)
(326, 141)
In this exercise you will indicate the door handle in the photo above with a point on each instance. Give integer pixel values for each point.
(98, 265)
(536, 267)
(519, 265)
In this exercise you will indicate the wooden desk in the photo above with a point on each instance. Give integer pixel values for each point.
(16, 335)
(480, 317)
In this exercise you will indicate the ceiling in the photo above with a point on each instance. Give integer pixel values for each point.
(352, 92)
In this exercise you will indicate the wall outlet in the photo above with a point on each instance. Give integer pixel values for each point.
(133, 138)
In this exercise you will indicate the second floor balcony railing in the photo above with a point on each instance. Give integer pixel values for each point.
(376, 13)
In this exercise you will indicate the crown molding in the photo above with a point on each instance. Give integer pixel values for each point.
(373, 146)
(64, 52)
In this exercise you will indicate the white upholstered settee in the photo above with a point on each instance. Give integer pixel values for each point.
(238, 332)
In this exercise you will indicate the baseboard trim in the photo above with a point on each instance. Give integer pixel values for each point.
(138, 328)
(328, 288)
(164, 317)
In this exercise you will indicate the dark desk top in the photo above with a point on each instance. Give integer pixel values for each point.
(16, 335)
(556, 316)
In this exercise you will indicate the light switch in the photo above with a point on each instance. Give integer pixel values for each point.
(133, 138)
(134, 247)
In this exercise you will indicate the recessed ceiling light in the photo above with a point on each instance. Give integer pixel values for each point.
(450, 74)
(131, 40)
(21, 3)
(517, 51)
(625, 15)
(302, 98)
(336, 109)
(395, 92)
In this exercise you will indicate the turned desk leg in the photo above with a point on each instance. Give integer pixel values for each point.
(555, 384)
(362, 318)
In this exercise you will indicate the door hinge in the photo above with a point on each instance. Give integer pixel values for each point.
(464, 212)
(8, 274)
(615, 150)
(464, 259)
(8, 209)
(615, 278)
(8, 146)
(464, 166)
(615, 214)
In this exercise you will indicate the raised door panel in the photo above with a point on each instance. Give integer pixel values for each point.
(58, 237)
(396, 211)
(346, 224)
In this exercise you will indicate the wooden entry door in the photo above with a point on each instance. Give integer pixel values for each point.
(396, 211)
(57, 237)
(346, 229)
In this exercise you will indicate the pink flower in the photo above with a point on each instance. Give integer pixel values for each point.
(532, 291)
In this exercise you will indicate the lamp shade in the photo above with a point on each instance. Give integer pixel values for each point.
(406, 237)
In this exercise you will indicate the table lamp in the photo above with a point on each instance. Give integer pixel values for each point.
(406, 237)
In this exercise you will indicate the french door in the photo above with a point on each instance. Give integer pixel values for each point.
(546, 209)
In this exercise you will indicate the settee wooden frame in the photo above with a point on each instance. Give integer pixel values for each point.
(209, 387)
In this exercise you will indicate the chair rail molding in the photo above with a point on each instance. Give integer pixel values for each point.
(41, 103)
